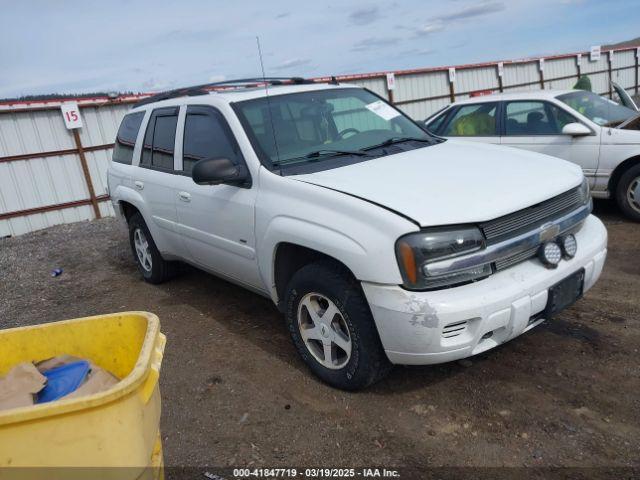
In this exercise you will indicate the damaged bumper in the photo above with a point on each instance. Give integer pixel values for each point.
(440, 326)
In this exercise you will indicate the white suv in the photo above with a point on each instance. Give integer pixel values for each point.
(379, 242)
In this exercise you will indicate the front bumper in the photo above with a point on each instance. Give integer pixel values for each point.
(440, 326)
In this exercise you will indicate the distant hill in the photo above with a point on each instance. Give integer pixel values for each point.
(56, 96)
(627, 43)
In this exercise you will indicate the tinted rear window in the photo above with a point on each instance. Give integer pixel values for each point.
(164, 137)
(159, 139)
(126, 138)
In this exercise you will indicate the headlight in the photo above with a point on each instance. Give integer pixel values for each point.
(416, 250)
(585, 193)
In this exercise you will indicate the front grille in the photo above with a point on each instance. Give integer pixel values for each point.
(529, 218)
(517, 258)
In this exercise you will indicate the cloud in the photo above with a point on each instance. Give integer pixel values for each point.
(429, 28)
(364, 16)
(283, 15)
(154, 85)
(417, 52)
(374, 42)
(438, 23)
(292, 63)
(471, 11)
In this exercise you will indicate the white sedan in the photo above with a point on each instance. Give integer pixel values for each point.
(594, 132)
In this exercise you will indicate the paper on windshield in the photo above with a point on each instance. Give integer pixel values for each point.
(383, 110)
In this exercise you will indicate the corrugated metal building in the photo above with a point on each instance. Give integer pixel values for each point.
(50, 175)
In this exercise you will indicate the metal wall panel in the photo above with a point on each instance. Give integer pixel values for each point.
(40, 182)
(479, 78)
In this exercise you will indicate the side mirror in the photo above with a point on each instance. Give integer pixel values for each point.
(575, 129)
(215, 171)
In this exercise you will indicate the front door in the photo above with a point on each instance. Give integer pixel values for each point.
(537, 126)
(216, 222)
(477, 122)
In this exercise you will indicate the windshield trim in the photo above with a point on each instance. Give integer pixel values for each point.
(330, 162)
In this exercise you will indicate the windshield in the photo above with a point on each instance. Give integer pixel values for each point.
(318, 125)
(598, 109)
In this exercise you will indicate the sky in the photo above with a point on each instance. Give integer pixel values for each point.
(150, 45)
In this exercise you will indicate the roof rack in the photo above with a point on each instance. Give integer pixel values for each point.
(205, 88)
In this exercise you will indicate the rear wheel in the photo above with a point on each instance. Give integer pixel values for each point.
(152, 266)
(332, 327)
(628, 193)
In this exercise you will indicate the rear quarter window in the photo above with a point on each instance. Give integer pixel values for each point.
(126, 138)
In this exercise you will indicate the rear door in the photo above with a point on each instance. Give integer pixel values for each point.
(536, 125)
(155, 178)
(477, 122)
(216, 222)
(121, 169)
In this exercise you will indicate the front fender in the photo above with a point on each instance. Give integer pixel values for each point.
(338, 245)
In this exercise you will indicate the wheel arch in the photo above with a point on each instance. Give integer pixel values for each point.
(289, 257)
(619, 171)
(128, 209)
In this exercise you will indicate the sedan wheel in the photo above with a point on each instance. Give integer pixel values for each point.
(633, 194)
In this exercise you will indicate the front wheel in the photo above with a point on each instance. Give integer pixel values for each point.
(628, 193)
(332, 327)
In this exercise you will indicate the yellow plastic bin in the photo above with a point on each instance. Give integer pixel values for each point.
(118, 429)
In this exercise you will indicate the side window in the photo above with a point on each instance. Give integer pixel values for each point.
(126, 138)
(207, 135)
(478, 120)
(159, 139)
(561, 116)
(535, 118)
(435, 125)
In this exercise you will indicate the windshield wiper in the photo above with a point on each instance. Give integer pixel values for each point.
(334, 153)
(317, 154)
(394, 140)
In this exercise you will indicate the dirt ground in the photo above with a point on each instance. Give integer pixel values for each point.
(236, 394)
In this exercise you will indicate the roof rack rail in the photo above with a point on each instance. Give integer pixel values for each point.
(207, 87)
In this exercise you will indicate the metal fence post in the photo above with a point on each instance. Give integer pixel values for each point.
(610, 74)
(87, 175)
(637, 54)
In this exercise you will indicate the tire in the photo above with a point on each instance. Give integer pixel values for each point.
(317, 287)
(152, 266)
(628, 183)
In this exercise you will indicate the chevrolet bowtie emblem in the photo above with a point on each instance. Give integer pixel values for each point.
(548, 232)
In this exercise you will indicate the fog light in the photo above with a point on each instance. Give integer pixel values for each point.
(550, 254)
(569, 246)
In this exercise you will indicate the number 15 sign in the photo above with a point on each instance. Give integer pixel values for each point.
(71, 115)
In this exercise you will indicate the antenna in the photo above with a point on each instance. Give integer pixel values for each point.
(266, 92)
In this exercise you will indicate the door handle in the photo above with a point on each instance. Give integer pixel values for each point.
(184, 196)
(139, 185)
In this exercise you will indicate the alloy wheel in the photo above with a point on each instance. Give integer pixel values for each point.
(324, 331)
(143, 250)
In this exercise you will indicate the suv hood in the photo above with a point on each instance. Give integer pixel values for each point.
(453, 182)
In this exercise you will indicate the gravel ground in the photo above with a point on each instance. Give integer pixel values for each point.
(236, 394)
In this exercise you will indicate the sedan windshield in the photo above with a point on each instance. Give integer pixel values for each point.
(598, 109)
(314, 126)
